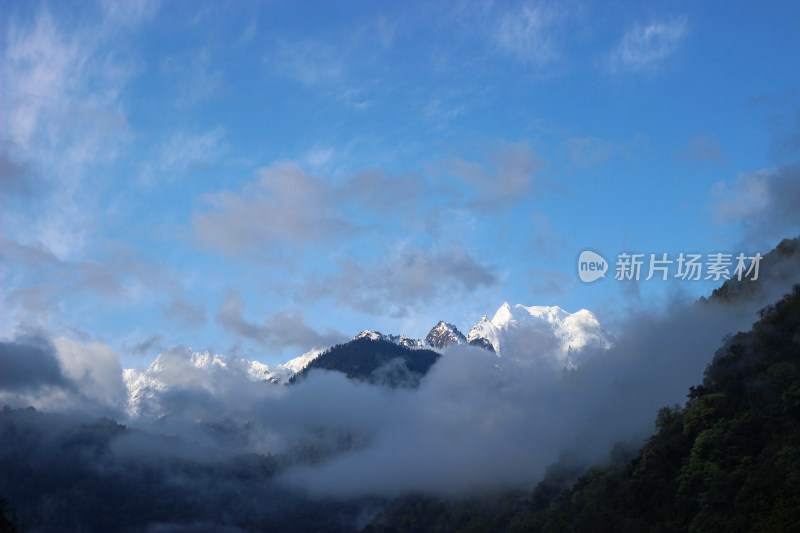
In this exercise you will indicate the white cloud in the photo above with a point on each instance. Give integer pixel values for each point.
(644, 47)
(130, 12)
(56, 75)
(530, 33)
(94, 368)
(288, 205)
(510, 421)
(249, 33)
(319, 156)
(61, 97)
(184, 153)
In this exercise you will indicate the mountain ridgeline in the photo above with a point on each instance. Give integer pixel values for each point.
(397, 360)
(376, 361)
(392, 360)
(373, 357)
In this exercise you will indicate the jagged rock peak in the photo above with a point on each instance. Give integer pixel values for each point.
(444, 334)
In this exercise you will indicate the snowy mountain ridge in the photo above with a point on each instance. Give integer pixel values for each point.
(400, 340)
(442, 335)
(519, 333)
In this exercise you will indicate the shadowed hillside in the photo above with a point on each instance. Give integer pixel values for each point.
(375, 361)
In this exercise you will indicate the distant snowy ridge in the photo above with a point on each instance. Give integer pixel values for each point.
(518, 332)
(400, 340)
(442, 335)
(181, 366)
(528, 335)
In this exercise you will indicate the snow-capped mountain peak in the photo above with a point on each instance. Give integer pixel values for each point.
(525, 332)
(369, 334)
(444, 334)
(485, 331)
(299, 363)
(503, 315)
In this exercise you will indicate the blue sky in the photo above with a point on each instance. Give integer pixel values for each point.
(257, 178)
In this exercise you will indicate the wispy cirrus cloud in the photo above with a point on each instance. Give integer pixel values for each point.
(326, 66)
(645, 47)
(55, 74)
(63, 112)
(131, 12)
(530, 33)
(184, 153)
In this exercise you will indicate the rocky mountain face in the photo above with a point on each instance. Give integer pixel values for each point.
(443, 335)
